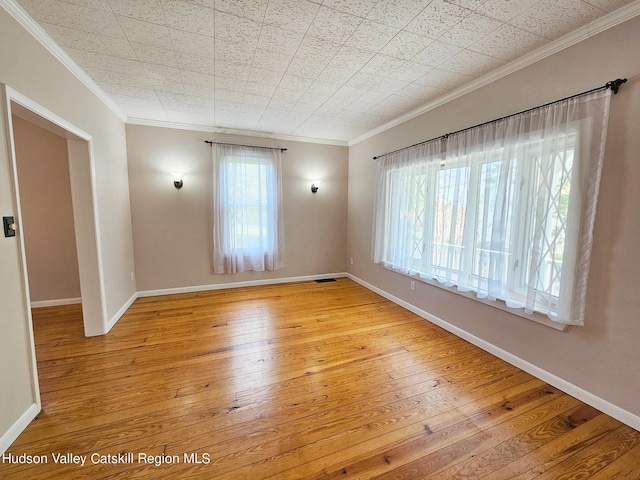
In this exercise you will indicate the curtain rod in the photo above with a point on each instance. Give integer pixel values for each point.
(282, 149)
(614, 85)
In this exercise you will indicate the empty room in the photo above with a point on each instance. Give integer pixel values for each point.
(313, 239)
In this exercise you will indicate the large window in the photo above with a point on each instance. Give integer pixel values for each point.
(504, 210)
(247, 209)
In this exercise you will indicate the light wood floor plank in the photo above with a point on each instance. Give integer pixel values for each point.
(298, 381)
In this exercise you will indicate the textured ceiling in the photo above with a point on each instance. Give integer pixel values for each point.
(325, 69)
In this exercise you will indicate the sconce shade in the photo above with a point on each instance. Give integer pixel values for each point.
(177, 180)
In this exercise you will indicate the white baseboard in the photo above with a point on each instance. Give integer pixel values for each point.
(56, 303)
(585, 396)
(120, 312)
(18, 427)
(251, 283)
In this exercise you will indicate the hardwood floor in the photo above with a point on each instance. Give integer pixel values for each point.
(305, 380)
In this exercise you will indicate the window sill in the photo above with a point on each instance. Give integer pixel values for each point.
(499, 304)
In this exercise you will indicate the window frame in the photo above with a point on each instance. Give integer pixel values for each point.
(247, 240)
(265, 209)
(523, 181)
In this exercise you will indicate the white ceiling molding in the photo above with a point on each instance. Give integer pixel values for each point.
(232, 131)
(600, 25)
(47, 42)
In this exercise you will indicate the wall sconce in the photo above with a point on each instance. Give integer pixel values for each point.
(315, 185)
(177, 180)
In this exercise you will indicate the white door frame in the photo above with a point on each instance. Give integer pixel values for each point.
(84, 202)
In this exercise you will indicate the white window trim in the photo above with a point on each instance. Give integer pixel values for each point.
(466, 290)
(499, 304)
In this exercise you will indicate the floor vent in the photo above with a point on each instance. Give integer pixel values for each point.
(325, 280)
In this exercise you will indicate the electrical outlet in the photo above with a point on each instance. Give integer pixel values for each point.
(412, 285)
(351, 261)
(132, 277)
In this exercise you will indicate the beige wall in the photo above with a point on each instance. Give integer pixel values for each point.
(603, 356)
(17, 395)
(47, 215)
(31, 70)
(172, 228)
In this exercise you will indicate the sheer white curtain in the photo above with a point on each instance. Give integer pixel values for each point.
(399, 216)
(248, 228)
(505, 210)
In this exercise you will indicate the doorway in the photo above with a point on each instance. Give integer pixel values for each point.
(80, 158)
(19, 383)
(47, 215)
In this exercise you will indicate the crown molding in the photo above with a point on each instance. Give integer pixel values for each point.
(597, 26)
(233, 131)
(23, 18)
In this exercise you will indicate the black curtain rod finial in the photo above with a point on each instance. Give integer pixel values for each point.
(614, 85)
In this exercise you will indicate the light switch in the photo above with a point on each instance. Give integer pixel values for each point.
(9, 226)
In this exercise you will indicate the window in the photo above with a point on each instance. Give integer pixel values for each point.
(504, 210)
(247, 209)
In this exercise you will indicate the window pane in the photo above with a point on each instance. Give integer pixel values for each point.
(492, 246)
(404, 234)
(548, 230)
(248, 203)
(452, 189)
